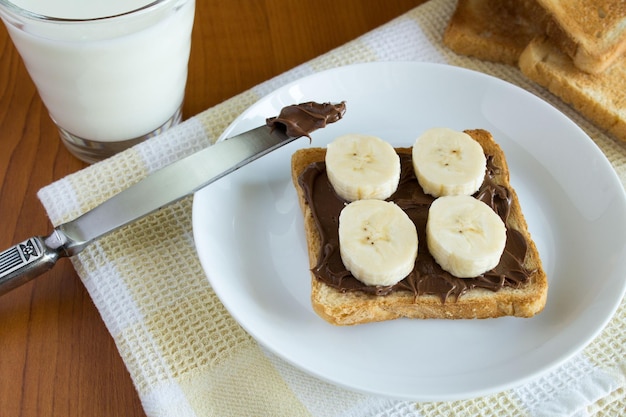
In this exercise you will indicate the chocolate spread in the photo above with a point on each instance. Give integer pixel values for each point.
(302, 119)
(427, 276)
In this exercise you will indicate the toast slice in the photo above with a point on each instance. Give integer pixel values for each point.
(492, 30)
(355, 306)
(592, 33)
(601, 98)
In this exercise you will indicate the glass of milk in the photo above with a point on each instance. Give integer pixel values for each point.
(111, 73)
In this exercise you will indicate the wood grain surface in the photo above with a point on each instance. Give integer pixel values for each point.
(56, 356)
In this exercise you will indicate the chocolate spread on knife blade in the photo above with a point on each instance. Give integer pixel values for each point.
(427, 276)
(302, 119)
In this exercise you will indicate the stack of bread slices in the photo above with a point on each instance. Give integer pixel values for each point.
(574, 48)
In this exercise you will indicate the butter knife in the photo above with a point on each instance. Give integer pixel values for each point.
(36, 255)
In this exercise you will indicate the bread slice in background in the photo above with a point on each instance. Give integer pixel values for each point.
(599, 97)
(492, 30)
(513, 32)
(349, 308)
(591, 32)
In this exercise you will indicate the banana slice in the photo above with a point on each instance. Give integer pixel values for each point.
(448, 162)
(377, 241)
(362, 167)
(464, 235)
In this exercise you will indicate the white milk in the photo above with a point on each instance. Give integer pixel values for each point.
(80, 9)
(103, 82)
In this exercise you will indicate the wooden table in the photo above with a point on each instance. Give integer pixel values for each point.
(56, 356)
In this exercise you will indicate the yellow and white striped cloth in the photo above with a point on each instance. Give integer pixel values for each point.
(186, 354)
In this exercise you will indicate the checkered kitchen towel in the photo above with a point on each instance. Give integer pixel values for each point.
(186, 354)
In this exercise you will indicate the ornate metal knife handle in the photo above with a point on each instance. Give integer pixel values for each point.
(24, 261)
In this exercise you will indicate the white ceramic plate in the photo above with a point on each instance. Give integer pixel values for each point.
(249, 236)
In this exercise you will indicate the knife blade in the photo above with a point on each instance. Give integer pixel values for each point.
(32, 257)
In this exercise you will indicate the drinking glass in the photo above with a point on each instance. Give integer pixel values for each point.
(110, 73)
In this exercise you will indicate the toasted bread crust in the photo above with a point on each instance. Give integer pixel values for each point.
(492, 30)
(599, 97)
(356, 307)
(592, 33)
